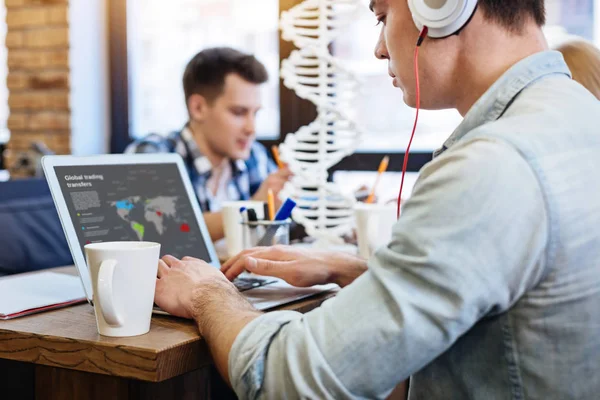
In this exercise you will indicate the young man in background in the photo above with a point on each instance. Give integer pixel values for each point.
(218, 143)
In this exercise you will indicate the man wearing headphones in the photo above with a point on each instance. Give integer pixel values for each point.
(490, 286)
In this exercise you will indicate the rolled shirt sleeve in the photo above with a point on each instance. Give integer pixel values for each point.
(471, 240)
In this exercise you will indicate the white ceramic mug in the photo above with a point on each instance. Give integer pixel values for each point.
(123, 280)
(232, 223)
(374, 224)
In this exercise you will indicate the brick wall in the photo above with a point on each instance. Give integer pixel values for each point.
(37, 41)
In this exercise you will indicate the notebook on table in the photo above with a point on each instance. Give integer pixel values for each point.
(25, 294)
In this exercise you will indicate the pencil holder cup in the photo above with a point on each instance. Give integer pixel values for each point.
(266, 233)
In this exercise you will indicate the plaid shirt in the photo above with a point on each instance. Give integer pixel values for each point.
(247, 175)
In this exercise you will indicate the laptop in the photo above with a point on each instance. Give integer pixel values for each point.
(149, 197)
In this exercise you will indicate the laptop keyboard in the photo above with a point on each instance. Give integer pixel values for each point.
(243, 284)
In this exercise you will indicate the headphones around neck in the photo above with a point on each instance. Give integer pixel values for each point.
(442, 17)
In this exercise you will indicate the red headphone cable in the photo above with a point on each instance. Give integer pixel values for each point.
(422, 36)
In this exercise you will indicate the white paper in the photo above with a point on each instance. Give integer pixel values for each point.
(26, 291)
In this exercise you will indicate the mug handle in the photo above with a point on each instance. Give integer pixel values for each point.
(105, 293)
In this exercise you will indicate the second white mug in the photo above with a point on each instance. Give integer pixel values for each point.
(232, 223)
(374, 224)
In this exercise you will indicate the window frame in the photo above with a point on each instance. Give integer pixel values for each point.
(298, 112)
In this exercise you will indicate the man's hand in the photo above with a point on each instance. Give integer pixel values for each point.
(298, 267)
(275, 182)
(191, 288)
(179, 281)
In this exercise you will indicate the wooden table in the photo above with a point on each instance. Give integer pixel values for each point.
(60, 355)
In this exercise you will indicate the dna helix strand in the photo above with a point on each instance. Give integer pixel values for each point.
(317, 76)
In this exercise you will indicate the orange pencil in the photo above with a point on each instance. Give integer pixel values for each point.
(382, 168)
(271, 204)
(275, 151)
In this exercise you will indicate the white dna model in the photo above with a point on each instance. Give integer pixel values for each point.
(314, 74)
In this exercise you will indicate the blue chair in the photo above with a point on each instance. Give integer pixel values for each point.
(31, 235)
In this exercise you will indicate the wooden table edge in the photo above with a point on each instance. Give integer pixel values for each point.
(193, 351)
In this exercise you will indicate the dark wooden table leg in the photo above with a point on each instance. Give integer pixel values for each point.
(62, 384)
(53, 383)
(17, 380)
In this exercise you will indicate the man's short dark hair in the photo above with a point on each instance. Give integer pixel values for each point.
(512, 14)
(206, 72)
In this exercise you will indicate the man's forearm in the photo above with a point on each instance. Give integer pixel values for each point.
(221, 313)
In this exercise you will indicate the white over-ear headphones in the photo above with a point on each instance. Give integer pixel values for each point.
(442, 17)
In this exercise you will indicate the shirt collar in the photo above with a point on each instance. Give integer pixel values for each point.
(201, 162)
(503, 92)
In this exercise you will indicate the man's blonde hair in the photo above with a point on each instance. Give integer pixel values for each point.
(583, 59)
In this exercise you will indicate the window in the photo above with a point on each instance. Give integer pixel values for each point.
(571, 17)
(163, 36)
(157, 38)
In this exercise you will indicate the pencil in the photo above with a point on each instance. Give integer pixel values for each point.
(271, 204)
(275, 151)
(382, 168)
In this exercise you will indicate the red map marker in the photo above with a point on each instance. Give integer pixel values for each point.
(159, 213)
(184, 228)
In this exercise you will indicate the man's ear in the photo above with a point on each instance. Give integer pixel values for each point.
(197, 107)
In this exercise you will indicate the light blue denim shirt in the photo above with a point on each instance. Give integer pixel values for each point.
(490, 287)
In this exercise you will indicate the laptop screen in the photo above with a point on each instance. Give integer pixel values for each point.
(132, 202)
